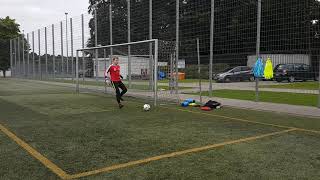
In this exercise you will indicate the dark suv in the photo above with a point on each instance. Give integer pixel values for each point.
(293, 72)
(239, 73)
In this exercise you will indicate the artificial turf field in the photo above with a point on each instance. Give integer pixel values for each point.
(50, 132)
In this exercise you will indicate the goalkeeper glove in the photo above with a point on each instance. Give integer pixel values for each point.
(107, 81)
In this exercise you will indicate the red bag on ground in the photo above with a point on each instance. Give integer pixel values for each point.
(205, 108)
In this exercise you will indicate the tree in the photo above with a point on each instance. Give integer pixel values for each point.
(163, 20)
(8, 30)
(287, 26)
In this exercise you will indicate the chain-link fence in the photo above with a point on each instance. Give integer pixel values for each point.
(232, 36)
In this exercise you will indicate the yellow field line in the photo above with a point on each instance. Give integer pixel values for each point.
(174, 154)
(45, 161)
(247, 121)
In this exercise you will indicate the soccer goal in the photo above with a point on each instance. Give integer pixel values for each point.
(147, 68)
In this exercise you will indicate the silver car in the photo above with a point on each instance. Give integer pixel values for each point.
(239, 73)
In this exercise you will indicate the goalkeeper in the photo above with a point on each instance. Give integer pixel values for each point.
(115, 79)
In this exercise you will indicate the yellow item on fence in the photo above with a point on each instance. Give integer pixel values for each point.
(268, 70)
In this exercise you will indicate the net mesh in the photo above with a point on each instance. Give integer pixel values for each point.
(137, 63)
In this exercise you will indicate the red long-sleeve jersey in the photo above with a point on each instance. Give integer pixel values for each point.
(114, 71)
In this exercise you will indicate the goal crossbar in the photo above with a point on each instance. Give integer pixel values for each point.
(117, 45)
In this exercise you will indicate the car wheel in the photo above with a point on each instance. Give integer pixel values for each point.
(316, 78)
(291, 79)
(227, 79)
(251, 79)
(278, 79)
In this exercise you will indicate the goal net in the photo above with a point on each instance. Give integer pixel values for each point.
(147, 67)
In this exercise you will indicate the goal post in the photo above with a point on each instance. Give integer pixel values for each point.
(145, 70)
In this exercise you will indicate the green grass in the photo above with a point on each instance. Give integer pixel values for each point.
(296, 85)
(81, 132)
(265, 96)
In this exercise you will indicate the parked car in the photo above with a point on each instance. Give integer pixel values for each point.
(293, 72)
(239, 73)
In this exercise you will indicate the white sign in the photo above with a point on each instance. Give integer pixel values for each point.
(181, 64)
(162, 64)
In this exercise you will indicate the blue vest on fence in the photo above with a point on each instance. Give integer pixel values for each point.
(258, 69)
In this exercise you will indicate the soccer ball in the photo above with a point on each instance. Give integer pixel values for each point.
(146, 107)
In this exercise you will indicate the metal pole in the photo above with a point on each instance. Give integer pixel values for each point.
(83, 54)
(11, 58)
(129, 40)
(15, 57)
(105, 66)
(199, 70)
(96, 41)
(77, 72)
(319, 84)
(19, 56)
(211, 48)
(67, 47)
(39, 65)
(33, 58)
(258, 45)
(171, 85)
(53, 54)
(150, 45)
(23, 53)
(156, 72)
(177, 43)
(62, 59)
(71, 36)
(46, 49)
(110, 21)
(28, 57)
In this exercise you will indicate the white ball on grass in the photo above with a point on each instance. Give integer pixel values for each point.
(146, 107)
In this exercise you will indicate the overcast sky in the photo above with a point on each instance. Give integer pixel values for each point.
(35, 14)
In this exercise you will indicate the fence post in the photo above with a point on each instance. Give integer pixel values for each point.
(171, 80)
(199, 70)
(28, 57)
(53, 54)
(211, 49)
(319, 83)
(11, 58)
(150, 45)
(129, 40)
(83, 54)
(67, 46)
(110, 25)
(71, 36)
(62, 59)
(19, 56)
(96, 41)
(46, 50)
(77, 72)
(258, 45)
(23, 53)
(177, 44)
(156, 46)
(39, 65)
(33, 58)
(15, 57)
(105, 66)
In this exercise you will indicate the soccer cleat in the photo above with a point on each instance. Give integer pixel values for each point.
(120, 106)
